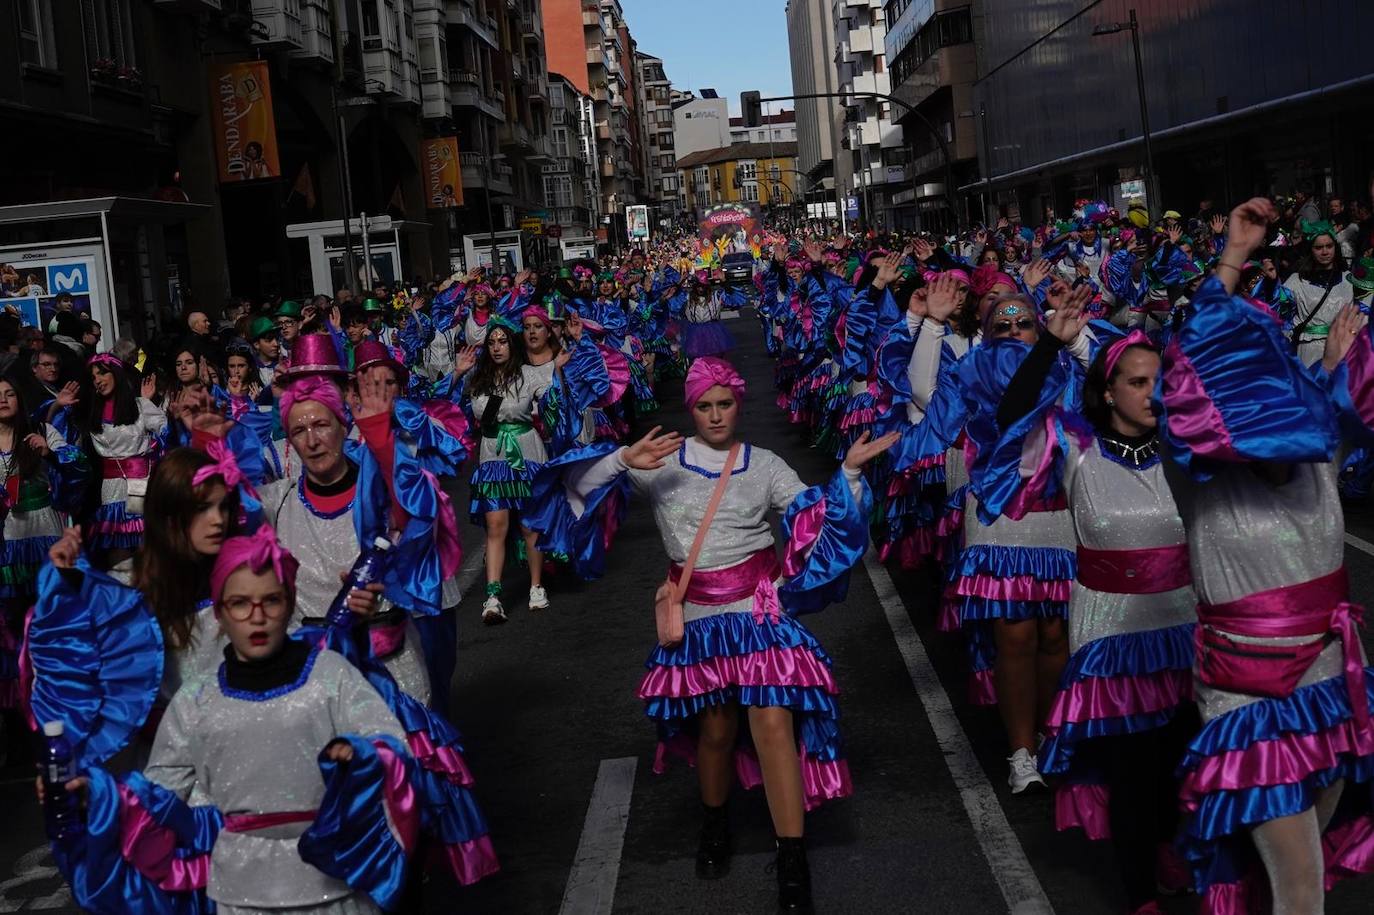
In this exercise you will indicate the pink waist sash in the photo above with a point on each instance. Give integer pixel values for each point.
(1315, 607)
(129, 468)
(752, 578)
(251, 822)
(1148, 571)
(387, 638)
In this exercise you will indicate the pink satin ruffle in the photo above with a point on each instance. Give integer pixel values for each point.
(1285, 760)
(445, 761)
(982, 688)
(150, 848)
(1083, 807)
(1193, 418)
(471, 861)
(772, 667)
(1349, 850)
(806, 530)
(1016, 587)
(398, 799)
(1095, 698)
(387, 640)
(821, 781)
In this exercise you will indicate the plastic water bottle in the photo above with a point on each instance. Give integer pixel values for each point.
(61, 808)
(369, 567)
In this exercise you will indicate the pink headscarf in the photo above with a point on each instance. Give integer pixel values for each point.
(1118, 349)
(706, 373)
(986, 277)
(258, 552)
(225, 467)
(313, 387)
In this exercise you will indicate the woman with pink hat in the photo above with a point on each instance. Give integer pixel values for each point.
(735, 676)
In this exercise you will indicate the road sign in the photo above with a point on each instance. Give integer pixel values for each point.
(554, 231)
(531, 224)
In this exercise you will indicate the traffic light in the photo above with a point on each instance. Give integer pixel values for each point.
(751, 108)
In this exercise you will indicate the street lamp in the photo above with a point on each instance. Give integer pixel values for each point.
(1111, 28)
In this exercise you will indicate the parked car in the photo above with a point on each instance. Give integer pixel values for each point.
(738, 268)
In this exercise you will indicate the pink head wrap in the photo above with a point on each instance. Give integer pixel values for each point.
(1118, 348)
(106, 359)
(258, 552)
(931, 275)
(797, 262)
(706, 373)
(988, 276)
(313, 387)
(225, 467)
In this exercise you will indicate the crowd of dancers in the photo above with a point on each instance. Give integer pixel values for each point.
(1118, 444)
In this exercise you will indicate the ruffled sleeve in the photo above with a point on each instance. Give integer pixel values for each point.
(143, 850)
(96, 655)
(1231, 391)
(825, 530)
(1016, 468)
(1351, 387)
(443, 310)
(437, 430)
(581, 530)
(417, 334)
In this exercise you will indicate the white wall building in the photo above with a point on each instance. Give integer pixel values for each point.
(779, 127)
(877, 151)
(700, 123)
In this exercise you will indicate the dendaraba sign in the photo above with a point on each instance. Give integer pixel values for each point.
(245, 132)
(442, 174)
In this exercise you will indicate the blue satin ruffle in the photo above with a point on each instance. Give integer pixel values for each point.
(1043, 562)
(1271, 407)
(436, 449)
(97, 657)
(580, 538)
(1057, 753)
(93, 864)
(731, 635)
(824, 578)
(1132, 654)
(350, 839)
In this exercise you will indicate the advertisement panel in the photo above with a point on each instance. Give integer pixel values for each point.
(729, 226)
(637, 223)
(244, 131)
(33, 276)
(442, 172)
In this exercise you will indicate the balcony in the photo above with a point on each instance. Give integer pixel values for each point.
(317, 43)
(861, 41)
(460, 13)
(475, 174)
(607, 167)
(465, 91)
(596, 56)
(603, 131)
(517, 70)
(600, 93)
(435, 99)
(281, 23)
(533, 27)
(541, 150)
(517, 138)
(190, 6)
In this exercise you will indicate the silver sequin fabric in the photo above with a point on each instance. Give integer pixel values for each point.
(518, 402)
(249, 757)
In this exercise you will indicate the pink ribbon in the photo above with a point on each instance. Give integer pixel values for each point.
(258, 552)
(1118, 348)
(387, 640)
(708, 372)
(1313, 607)
(312, 387)
(250, 822)
(1145, 571)
(752, 578)
(225, 467)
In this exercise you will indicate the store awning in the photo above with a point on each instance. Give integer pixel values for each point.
(133, 209)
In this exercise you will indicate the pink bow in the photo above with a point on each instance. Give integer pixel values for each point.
(258, 552)
(312, 387)
(706, 373)
(225, 467)
(1119, 347)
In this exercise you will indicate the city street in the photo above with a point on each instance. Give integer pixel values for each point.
(562, 755)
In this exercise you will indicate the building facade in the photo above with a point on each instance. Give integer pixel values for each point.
(571, 194)
(873, 139)
(932, 66)
(1286, 107)
(762, 173)
(780, 127)
(811, 46)
(660, 148)
(700, 123)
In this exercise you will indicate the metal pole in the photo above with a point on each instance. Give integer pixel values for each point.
(491, 220)
(987, 155)
(1151, 188)
(346, 180)
(864, 176)
(367, 253)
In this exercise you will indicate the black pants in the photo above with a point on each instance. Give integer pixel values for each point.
(1143, 812)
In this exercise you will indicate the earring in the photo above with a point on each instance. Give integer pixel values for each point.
(1110, 402)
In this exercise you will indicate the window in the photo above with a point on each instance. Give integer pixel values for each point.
(109, 31)
(774, 172)
(560, 142)
(877, 63)
(751, 193)
(665, 139)
(747, 170)
(431, 58)
(666, 161)
(35, 34)
(669, 184)
(372, 27)
(558, 190)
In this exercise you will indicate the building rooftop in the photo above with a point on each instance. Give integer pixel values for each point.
(782, 117)
(737, 151)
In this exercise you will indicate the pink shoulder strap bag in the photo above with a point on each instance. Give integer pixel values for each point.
(668, 598)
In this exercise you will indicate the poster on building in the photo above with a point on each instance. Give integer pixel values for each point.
(729, 227)
(244, 131)
(37, 280)
(443, 175)
(637, 223)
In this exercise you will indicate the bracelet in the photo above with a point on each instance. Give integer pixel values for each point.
(1232, 266)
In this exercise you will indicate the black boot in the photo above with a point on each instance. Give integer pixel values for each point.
(713, 854)
(794, 876)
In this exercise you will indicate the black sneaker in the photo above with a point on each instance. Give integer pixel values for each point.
(713, 854)
(794, 877)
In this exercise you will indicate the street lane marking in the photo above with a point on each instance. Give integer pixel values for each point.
(1364, 546)
(596, 868)
(1006, 858)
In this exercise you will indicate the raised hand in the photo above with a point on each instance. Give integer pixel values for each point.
(1070, 317)
(1035, 272)
(888, 271)
(814, 251)
(467, 358)
(924, 250)
(1248, 223)
(149, 387)
(38, 443)
(866, 448)
(943, 297)
(648, 453)
(1218, 223)
(1054, 296)
(1344, 330)
(374, 395)
(1175, 232)
(918, 304)
(69, 395)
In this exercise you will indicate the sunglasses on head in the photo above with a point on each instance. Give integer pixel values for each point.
(1004, 327)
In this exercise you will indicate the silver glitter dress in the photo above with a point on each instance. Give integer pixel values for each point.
(256, 753)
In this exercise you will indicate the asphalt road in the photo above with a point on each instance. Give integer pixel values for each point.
(562, 755)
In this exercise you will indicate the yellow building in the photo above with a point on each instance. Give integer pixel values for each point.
(762, 173)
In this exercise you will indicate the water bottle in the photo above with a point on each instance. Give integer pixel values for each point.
(61, 808)
(370, 565)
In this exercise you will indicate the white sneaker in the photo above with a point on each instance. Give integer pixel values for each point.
(493, 614)
(1024, 772)
(539, 598)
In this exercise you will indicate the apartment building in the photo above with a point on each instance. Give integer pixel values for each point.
(780, 127)
(656, 126)
(571, 192)
(762, 173)
(811, 45)
(876, 149)
(700, 123)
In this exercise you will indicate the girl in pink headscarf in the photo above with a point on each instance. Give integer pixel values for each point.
(742, 646)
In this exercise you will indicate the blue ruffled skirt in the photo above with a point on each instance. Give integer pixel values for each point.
(496, 486)
(707, 339)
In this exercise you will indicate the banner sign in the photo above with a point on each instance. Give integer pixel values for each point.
(443, 174)
(245, 133)
(729, 226)
(637, 223)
